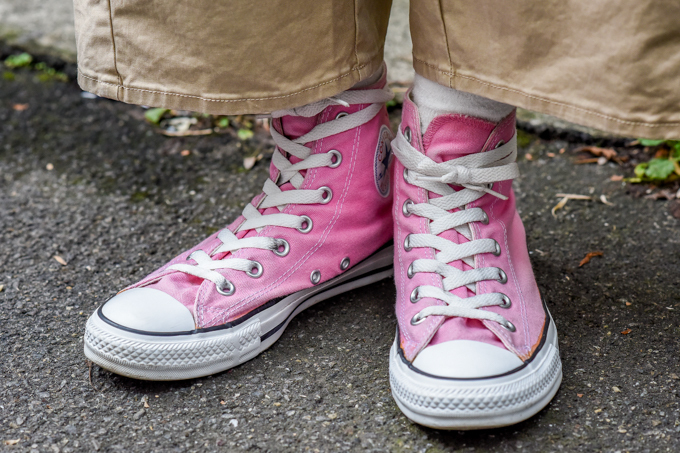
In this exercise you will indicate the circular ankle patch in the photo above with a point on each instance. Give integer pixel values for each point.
(381, 163)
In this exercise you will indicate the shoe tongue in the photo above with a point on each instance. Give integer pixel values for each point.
(449, 137)
(292, 127)
(297, 126)
(452, 136)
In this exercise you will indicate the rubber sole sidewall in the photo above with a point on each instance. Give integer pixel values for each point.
(458, 409)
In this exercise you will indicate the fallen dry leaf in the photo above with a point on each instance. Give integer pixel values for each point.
(675, 376)
(249, 162)
(2, 287)
(665, 194)
(597, 411)
(12, 441)
(604, 200)
(574, 196)
(616, 178)
(596, 151)
(551, 154)
(185, 152)
(187, 133)
(559, 205)
(528, 156)
(562, 150)
(616, 390)
(60, 260)
(146, 405)
(223, 402)
(628, 304)
(565, 198)
(20, 107)
(588, 257)
(661, 153)
(580, 395)
(587, 161)
(626, 331)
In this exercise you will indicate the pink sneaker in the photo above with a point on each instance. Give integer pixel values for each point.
(308, 237)
(476, 347)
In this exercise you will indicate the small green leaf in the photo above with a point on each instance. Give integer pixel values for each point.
(391, 103)
(676, 149)
(7, 75)
(640, 169)
(18, 61)
(222, 122)
(659, 169)
(244, 134)
(154, 115)
(648, 142)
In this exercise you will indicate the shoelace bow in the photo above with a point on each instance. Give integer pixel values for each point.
(206, 267)
(475, 173)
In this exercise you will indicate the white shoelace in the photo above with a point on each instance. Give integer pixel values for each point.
(206, 266)
(475, 173)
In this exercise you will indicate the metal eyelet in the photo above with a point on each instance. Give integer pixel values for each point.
(407, 247)
(497, 252)
(258, 270)
(503, 277)
(404, 208)
(315, 277)
(338, 158)
(409, 271)
(344, 264)
(509, 326)
(416, 320)
(414, 295)
(507, 303)
(189, 258)
(281, 243)
(406, 174)
(227, 289)
(328, 194)
(501, 143)
(341, 115)
(307, 228)
(485, 220)
(407, 134)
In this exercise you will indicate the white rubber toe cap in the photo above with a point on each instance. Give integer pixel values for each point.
(149, 310)
(466, 359)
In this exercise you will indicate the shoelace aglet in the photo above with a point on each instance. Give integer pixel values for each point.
(485, 189)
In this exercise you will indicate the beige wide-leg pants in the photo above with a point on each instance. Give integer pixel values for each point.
(608, 64)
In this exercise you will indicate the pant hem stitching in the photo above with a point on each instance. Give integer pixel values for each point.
(542, 99)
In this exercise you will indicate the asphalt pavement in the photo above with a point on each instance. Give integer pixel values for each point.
(92, 198)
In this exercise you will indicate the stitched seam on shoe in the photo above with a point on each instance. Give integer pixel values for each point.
(358, 68)
(525, 345)
(542, 99)
(397, 245)
(309, 253)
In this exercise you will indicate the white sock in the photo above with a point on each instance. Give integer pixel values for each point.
(434, 99)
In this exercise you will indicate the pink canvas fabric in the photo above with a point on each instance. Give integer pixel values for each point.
(449, 137)
(354, 224)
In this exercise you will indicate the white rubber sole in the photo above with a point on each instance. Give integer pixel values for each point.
(464, 404)
(192, 355)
